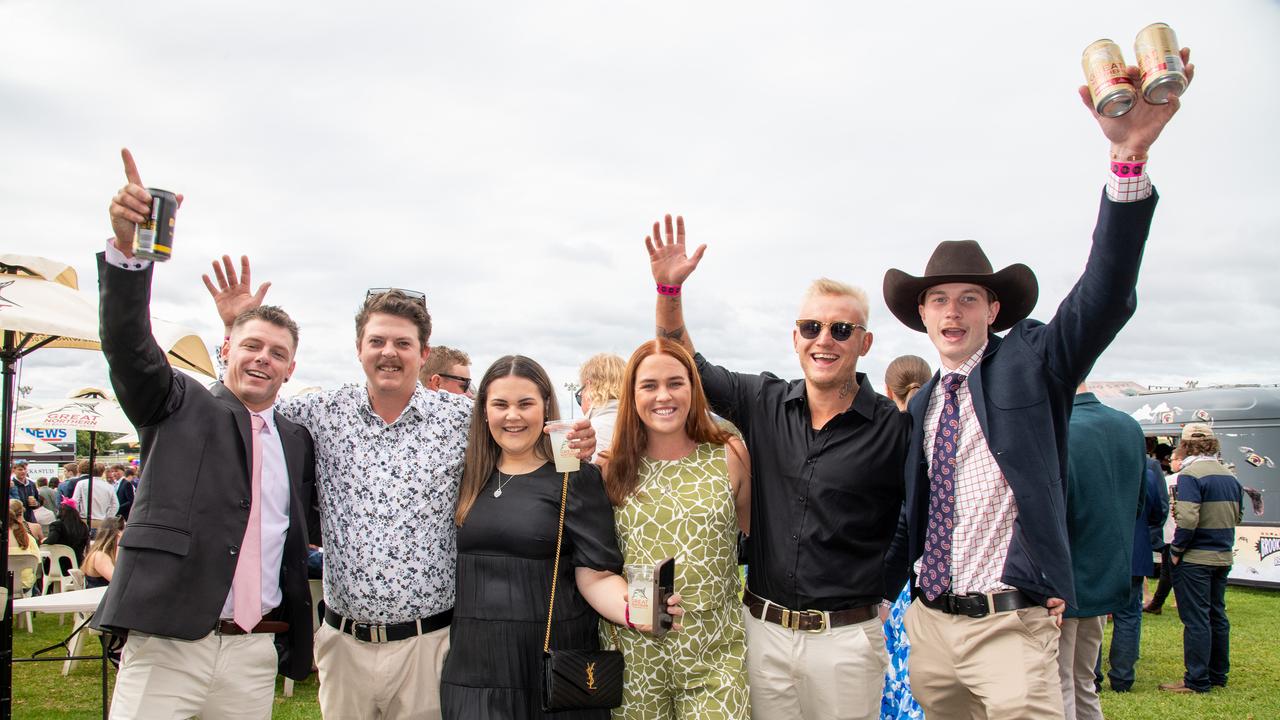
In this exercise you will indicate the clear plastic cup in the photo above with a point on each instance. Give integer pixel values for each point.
(640, 589)
(566, 457)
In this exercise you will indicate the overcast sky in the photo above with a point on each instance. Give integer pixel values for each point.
(508, 158)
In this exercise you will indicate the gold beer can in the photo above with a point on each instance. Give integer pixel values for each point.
(1163, 75)
(1108, 77)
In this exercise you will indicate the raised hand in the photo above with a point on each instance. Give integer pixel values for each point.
(670, 264)
(130, 206)
(233, 295)
(1133, 133)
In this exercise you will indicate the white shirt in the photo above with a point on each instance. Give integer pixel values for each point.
(274, 516)
(105, 503)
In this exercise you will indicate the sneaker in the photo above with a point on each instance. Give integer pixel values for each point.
(1152, 610)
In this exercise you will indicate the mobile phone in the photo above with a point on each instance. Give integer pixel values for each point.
(664, 586)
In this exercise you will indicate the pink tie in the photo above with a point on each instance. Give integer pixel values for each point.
(246, 587)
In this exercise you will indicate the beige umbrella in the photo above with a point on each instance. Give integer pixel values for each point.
(41, 306)
(32, 445)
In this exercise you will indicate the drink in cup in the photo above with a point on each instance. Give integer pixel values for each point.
(640, 591)
(566, 457)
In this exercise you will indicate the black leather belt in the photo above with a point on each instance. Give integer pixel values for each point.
(378, 633)
(808, 620)
(977, 605)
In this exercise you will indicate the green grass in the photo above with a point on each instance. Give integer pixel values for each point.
(1252, 693)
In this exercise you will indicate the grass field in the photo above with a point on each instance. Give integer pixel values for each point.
(1253, 692)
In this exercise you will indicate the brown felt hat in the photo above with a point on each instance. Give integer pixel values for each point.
(962, 261)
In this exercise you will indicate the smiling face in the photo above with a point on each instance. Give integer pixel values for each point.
(663, 393)
(828, 363)
(391, 354)
(259, 359)
(957, 317)
(515, 412)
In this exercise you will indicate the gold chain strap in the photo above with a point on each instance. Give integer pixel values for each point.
(555, 573)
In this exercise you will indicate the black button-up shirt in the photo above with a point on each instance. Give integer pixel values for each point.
(824, 503)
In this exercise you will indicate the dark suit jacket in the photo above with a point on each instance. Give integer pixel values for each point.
(1022, 393)
(179, 549)
(125, 492)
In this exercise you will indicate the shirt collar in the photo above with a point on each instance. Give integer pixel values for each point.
(864, 402)
(269, 418)
(966, 367)
(419, 404)
(1086, 398)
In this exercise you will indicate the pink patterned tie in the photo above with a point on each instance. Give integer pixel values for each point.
(246, 586)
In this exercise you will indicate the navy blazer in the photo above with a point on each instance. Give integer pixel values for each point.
(1022, 391)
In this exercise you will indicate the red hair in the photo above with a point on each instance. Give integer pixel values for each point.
(631, 436)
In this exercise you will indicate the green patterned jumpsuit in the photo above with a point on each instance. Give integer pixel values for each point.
(685, 509)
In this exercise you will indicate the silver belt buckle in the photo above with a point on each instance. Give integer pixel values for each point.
(377, 632)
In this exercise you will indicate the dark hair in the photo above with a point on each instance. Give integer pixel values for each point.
(83, 468)
(397, 304)
(441, 359)
(1200, 446)
(270, 314)
(631, 436)
(905, 375)
(482, 450)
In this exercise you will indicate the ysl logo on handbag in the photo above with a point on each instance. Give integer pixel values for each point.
(591, 676)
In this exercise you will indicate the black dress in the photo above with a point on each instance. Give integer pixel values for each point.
(505, 554)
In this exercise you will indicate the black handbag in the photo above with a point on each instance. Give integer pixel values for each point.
(577, 679)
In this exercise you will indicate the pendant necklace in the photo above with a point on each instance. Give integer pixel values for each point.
(498, 493)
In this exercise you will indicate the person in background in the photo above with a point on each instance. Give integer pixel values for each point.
(48, 488)
(1148, 535)
(100, 562)
(69, 529)
(126, 490)
(105, 503)
(1164, 585)
(599, 387)
(1209, 508)
(33, 527)
(446, 369)
(70, 473)
(22, 542)
(902, 379)
(1106, 469)
(23, 489)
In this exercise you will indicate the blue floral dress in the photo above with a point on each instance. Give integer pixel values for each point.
(897, 703)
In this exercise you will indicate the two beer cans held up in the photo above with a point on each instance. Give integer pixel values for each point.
(1159, 61)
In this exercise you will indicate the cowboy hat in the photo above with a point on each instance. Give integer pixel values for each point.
(962, 261)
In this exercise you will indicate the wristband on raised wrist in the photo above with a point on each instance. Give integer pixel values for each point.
(1125, 169)
(671, 290)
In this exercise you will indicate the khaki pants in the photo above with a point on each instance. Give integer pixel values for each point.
(1077, 658)
(367, 681)
(216, 677)
(1002, 667)
(837, 674)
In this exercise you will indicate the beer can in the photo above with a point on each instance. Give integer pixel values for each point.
(1163, 75)
(1108, 77)
(153, 238)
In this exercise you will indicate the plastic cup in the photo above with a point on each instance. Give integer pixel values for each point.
(640, 588)
(566, 457)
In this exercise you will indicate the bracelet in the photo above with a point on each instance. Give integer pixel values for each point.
(1129, 158)
(628, 617)
(1127, 169)
(671, 290)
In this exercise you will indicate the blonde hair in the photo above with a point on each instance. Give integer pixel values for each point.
(602, 377)
(835, 288)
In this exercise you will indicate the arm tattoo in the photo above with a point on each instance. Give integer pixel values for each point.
(676, 335)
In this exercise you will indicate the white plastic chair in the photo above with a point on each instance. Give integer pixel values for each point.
(17, 564)
(54, 575)
(317, 594)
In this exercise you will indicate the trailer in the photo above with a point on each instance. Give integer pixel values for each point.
(1246, 421)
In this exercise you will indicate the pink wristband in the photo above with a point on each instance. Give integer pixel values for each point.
(671, 290)
(1128, 169)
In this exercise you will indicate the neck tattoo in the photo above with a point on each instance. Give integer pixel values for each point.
(847, 388)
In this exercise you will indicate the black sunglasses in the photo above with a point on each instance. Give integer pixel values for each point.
(577, 396)
(465, 381)
(419, 297)
(840, 331)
